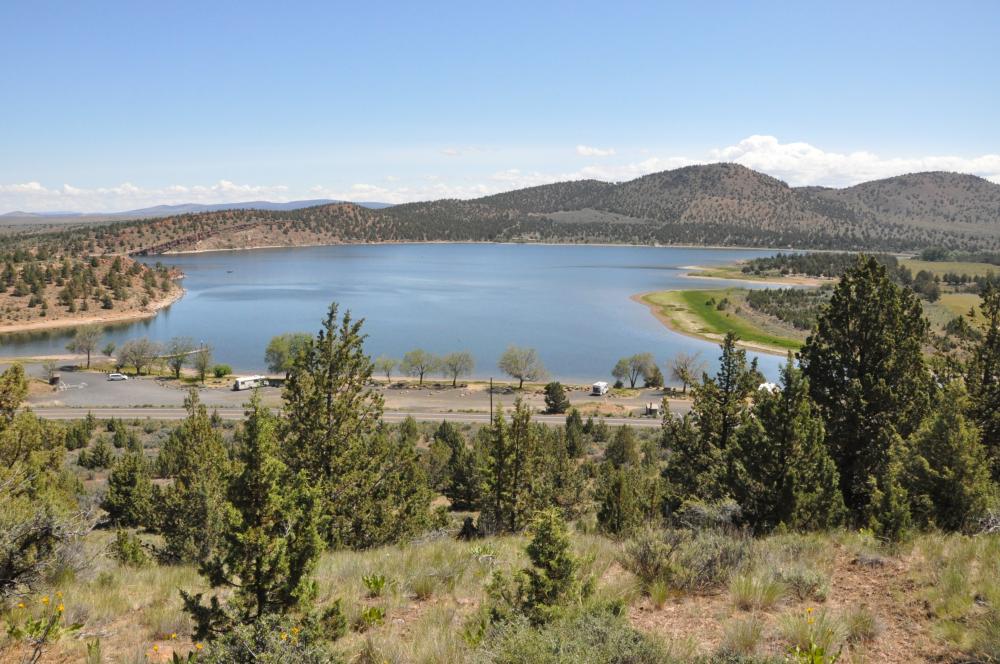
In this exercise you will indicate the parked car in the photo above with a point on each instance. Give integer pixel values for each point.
(117, 376)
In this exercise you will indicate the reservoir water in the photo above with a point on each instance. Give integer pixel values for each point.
(571, 303)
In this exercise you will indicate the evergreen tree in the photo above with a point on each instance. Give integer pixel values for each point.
(575, 444)
(555, 398)
(697, 442)
(553, 580)
(464, 488)
(623, 449)
(510, 471)
(191, 506)
(984, 378)
(947, 475)
(269, 542)
(626, 499)
(129, 500)
(781, 472)
(371, 488)
(867, 375)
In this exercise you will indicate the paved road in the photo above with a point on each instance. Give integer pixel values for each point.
(167, 413)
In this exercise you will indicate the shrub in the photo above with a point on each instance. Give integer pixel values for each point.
(221, 370)
(596, 635)
(555, 398)
(128, 550)
(271, 640)
(805, 583)
(685, 560)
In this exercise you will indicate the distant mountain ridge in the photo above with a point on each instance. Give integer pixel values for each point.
(182, 208)
(716, 204)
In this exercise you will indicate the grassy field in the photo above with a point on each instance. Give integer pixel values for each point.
(940, 268)
(695, 312)
(931, 599)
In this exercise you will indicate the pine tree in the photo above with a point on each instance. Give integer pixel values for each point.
(947, 474)
(555, 398)
(781, 472)
(720, 402)
(984, 378)
(191, 505)
(867, 375)
(129, 500)
(372, 489)
(269, 542)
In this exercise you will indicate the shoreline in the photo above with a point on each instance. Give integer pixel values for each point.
(151, 310)
(546, 244)
(654, 309)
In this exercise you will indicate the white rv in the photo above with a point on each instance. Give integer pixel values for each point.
(600, 388)
(249, 382)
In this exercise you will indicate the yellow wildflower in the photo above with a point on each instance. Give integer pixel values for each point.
(198, 646)
(809, 610)
(284, 636)
(59, 594)
(173, 635)
(45, 600)
(156, 648)
(295, 630)
(20, 605)
(60, 608)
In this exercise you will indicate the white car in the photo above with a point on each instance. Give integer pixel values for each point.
(117, 376)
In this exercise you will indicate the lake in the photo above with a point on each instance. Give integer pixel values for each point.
(569, 302)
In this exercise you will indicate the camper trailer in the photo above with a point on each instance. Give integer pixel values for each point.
(249, 382)
(600, 388)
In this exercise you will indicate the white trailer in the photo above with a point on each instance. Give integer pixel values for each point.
(600, 388)
(249, 382)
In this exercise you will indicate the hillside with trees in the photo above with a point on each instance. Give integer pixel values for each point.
(848, 512)
(39, 289)
(715, 204)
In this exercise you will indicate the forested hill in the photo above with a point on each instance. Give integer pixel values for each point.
(716, 204)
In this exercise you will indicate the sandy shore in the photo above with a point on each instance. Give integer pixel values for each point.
(149, 311)
(710, 337)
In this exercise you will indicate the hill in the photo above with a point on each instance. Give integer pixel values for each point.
(715, 204)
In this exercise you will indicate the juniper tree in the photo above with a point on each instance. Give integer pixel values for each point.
(623, 450)
(196, 458)
(371, 487)
(509, 470)
(626, 498)
(947, 474)
(696, 443)
(555, 398)
(268, 544)
(574, 434)
(984, 377)
(780, 470)
(867, 375)
(129, 499)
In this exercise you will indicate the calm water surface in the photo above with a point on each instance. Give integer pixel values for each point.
(569, 302)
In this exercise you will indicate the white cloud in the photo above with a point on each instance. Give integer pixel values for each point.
(35, 197)
(797, 163)
(804, 164)
(589, 151)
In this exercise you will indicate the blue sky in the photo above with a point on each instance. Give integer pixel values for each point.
(119, 105)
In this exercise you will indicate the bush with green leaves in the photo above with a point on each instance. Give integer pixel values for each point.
(98, 457)
(274, 639)
(555, 398)
(221, 370)
(692, 561)
(128, 549)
